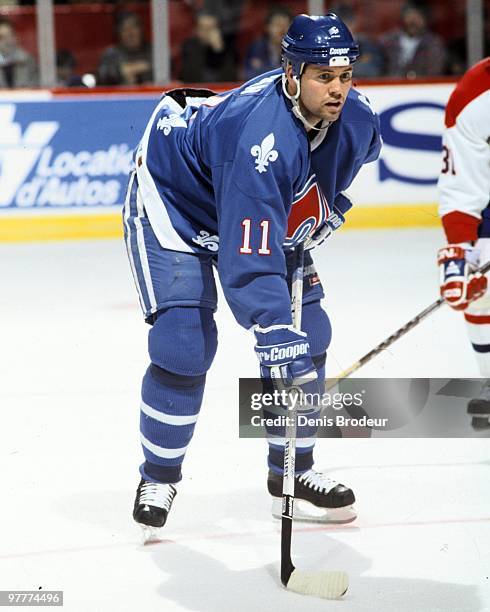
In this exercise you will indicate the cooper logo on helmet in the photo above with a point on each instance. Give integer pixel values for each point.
(342, 51)
(317, 40)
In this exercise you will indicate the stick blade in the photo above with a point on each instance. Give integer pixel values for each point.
(328, 585)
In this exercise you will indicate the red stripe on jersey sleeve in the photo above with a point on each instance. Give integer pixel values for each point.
(460, 227)
(471, 85)
(477, 319)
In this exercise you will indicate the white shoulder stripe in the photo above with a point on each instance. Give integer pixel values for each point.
(154, 205)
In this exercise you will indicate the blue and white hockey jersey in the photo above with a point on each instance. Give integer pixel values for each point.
(236, 174)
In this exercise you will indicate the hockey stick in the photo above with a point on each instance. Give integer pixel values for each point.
(396, 335)
(329, 585)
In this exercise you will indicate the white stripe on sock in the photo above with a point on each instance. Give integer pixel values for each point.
(159, 451)
(168, 419)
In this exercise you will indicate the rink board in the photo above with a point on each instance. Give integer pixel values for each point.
(64, 161)
(76, 226)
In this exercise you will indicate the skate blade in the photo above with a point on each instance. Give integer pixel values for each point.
(150, 535)
(307, 512)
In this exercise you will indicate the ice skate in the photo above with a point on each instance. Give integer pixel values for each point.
(151, 507)
(317, 498)
(479, 408)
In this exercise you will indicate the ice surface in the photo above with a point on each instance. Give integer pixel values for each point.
(73, 353)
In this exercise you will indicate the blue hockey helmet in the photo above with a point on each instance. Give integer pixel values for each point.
(318, 40)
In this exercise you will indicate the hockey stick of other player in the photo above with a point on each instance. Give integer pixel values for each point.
(329, 585)
(396, 335)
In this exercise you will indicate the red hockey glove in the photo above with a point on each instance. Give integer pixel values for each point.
(460, 285)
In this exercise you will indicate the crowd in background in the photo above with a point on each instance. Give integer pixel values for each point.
(210, 54)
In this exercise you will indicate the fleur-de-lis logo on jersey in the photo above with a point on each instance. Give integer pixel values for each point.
(167, 123)
(264, 153)
(207, 241)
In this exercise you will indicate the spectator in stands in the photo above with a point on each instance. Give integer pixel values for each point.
(130, 61)
(17, 67)
(230, 14)
(370, 62)
(265, 53)
(414, 50)
(205, 56)
(229, 11)
(65, 70)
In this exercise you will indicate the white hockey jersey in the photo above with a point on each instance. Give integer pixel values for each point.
(464, 182)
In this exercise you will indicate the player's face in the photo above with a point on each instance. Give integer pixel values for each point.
(324, 91)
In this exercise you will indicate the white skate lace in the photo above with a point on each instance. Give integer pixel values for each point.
(317, 481)
(157, 494)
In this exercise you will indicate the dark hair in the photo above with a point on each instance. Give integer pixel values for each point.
(278, 11)
(121, 18)
(5, 21)
(415, 6)
(65, 59)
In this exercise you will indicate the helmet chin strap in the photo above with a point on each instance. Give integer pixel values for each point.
(295, 102)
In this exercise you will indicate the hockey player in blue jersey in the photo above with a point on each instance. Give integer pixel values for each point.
(240, 179)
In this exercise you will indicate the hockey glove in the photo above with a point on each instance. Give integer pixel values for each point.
(459, 283)
(334, 220)
(284, 353)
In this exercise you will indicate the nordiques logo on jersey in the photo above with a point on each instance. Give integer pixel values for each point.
(308, 212)
(168, 122)
(265, 153)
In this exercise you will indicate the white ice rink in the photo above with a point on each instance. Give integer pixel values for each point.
(73, 351)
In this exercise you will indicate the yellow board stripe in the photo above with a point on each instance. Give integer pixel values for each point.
(109, 225)
(60, 227)
(379, 217)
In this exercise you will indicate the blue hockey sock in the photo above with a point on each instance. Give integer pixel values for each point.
(169, 409)
(182, 344)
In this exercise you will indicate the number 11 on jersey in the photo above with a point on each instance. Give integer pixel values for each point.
(246, 249)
